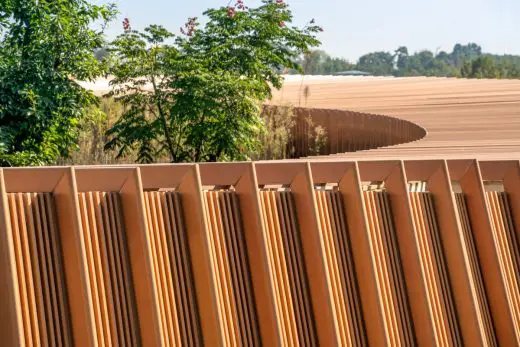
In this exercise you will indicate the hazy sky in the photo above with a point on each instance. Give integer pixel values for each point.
(353, 28)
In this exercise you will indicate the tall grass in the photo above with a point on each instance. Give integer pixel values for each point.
(277, 140)
(92, 138)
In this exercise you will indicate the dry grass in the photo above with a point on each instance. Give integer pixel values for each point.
(276, 140)
(92, 136)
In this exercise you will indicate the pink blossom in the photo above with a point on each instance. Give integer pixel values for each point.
(189, 27)
(240, 5)
(126, 24)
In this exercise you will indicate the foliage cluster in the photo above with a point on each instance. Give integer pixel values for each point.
(45, 45)
(197, 97)
(276, 142)
(401, 63)
(487, 66)
(192, 97)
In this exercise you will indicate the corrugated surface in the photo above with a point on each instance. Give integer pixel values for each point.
(40, 270)
(346, 303)
(304, 253)
(237, 312)
(485, 321)
(434, 270)
(507, 249)
(389, 273)
(172, 269)
(109, 269)
(286, 259)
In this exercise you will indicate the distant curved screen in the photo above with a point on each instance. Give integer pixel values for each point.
(347, 131)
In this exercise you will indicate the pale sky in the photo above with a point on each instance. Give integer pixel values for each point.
(353, 28)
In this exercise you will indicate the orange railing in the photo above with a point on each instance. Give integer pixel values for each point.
(302, 253)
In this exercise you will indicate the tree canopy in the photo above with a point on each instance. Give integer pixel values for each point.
(402, 63)
(207, 85)
(44, 46)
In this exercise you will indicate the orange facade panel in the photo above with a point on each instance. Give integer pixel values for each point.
(303, 253)
(39, 267)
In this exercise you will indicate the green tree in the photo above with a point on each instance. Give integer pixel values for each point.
(44, 46)
(197, 97)
(313, 62)
(318, 62)
(401, 54)
(377, 63)
(463, 53)
(481, 67)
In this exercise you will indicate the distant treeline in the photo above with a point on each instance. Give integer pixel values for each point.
(464, 61)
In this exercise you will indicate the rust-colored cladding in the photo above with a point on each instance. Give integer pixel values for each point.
(301, 253)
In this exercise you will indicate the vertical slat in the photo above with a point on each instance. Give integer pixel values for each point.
(12, 327)
(63, 297)
(283, 292)
(293, 239)
(438, 292)
(257, 242)
(43, 214)
(351, 290)
(33, 228)
(129, 292)
(21, 270)
(358, 219)
(464, 274)
(75, 263)
(245, 277)
(30, 263)
(181, 332)
(302, 187)
(189, 301)
(112, 286)
(203, 269)
(486, 322)
(220, 269)
(125, 300)
(98, 253)
(109, 293)
(489, 259)
(512, 188)
(139, 244)
(281, 308)
(395, 208)
(157, 228)
(153, 233)
(338, 250)
(507, 249)
(238, 312)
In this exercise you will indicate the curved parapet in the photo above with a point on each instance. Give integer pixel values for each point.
(349, 131)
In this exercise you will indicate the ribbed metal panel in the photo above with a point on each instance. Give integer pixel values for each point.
(433, 265)
(346, 303)
(286, 256)
(172, 269)
(383, 253)
(40, 270)
(237, 312)
(478, 288)
(506, 245)
(390, 278)
(109, 269)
